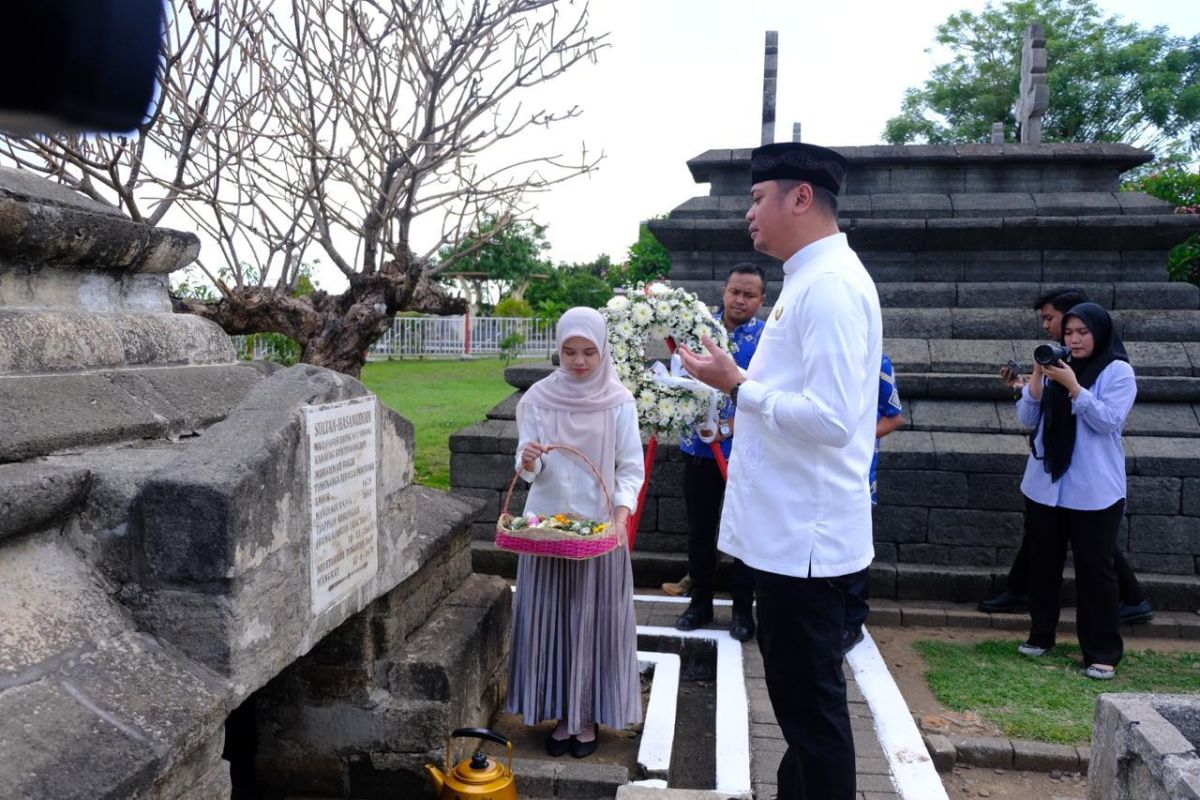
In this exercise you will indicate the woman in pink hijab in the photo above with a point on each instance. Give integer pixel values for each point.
(574, 645)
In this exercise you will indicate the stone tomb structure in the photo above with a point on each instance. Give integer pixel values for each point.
(184, 537)
(960, 241)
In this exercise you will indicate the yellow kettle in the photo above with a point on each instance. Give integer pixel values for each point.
(477, 777)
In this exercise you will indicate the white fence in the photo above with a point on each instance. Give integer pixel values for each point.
(411, 337)
(451, 336)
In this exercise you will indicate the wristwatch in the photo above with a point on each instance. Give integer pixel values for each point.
(725, 430)
(734, 391)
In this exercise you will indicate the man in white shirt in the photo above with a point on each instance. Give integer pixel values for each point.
(798, 504)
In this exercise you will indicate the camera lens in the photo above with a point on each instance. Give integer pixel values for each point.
(1046, 354)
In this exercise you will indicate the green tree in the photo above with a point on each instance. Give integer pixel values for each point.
(570, 285)
(647, 260)
(1110, 80)
(1179, 186)
(500, 257)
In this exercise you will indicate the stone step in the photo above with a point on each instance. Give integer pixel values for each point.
(889, 580)
(966, 386)
(989, 416)
(1114, 233)
(949, 169)
(934, 206)
(1137, 325)
(910, 263)
(987, 356)
(985, 294)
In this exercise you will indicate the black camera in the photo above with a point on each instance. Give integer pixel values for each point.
(1046, 354)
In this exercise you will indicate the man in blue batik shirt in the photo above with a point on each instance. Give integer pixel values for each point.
(889, 417)
(703, 485)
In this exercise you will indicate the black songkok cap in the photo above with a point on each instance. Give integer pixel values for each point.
(798, 161)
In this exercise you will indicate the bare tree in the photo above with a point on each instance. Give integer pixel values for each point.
(289, 132)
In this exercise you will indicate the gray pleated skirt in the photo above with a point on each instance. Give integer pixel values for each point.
(574, 642)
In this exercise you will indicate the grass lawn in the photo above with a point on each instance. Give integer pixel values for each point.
(1045, 699)
(438, 397)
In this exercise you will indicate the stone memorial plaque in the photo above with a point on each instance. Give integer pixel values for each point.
(344, 537)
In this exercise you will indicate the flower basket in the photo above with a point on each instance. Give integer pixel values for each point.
(557, 535)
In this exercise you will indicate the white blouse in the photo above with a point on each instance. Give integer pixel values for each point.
(560, 482)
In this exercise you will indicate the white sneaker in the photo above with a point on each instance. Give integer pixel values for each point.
(1033, 651)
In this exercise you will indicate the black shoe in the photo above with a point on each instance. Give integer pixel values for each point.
(1133, 613)
(584, 749)
(850, 639)
(1006, 603)
(557, 747)
(698, 615)
(742, 626)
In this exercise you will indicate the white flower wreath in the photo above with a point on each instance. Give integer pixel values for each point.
(659, 311)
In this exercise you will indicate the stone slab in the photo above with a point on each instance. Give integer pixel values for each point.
(41, 341)
(34, 496)
(95, 408)
(89, 707)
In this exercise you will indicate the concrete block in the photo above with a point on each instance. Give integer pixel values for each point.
(1164, 534)
(910, 206)
(924, 488)
(895, 524)
(995, 294)
(980, 453)
(585, 780)
(966, 416)
(995, 492)
(916, 295)
(34, 496)
(967, 527)
(935, 582)
(941, 751)
(885, 552)
(1191, 497)
(1162, 419)
(1149, 495)
(1161, 563)
(1043, 757)
(992, 204)
(1146, 294)
(972, 355)
(907, 450)
(917, 323)
(984, 751)
(918, 553)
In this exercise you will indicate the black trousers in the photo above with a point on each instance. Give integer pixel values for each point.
(1091, 536)
(800, 622)
(1128, 588)
(857, 595)
(703, 491)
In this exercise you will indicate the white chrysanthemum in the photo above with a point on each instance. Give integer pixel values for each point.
(645, 400)
(618, 302)
(641, 314)
(667, 408)
(659, 332)
(624, 330)
(660, 289)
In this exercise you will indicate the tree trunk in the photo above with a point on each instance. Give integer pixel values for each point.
(333, 331)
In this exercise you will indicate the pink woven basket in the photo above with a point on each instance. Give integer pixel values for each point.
(556, 543)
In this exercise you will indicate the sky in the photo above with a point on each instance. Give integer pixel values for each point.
(685, 76)
(681, 77)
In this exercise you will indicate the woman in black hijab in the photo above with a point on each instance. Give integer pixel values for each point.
(1074, 484)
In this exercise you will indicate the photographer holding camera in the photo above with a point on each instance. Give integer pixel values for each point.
(1074, 483)
(1134, 607)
